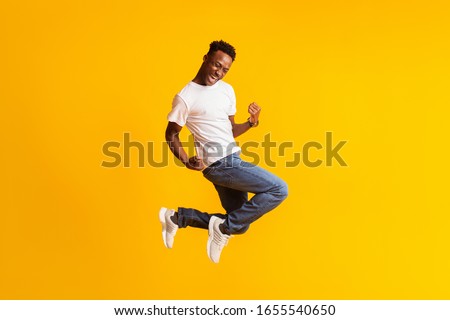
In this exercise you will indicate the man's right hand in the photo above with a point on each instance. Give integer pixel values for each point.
(195, 163)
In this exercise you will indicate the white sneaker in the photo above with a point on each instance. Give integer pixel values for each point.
(216, 239)
(169, 229)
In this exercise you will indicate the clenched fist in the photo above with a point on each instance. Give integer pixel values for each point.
(254, 111)
(195, 163)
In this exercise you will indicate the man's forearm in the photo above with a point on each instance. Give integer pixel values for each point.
(240, 128)
(176, 147)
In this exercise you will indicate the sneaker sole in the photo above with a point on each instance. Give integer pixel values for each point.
(210, 238)
(162, 219)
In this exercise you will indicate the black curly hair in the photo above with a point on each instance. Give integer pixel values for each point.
(222, 46)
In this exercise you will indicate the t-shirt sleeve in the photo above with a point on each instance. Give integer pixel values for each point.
(232, 109)
(179, 112)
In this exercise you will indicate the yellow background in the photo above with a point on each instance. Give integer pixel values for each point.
(76, 75)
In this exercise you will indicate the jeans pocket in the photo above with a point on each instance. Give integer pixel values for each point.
(207, 171)
(218, 175)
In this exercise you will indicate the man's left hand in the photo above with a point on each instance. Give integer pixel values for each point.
(254, 111)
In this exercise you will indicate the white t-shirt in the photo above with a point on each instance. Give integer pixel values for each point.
(205, 111)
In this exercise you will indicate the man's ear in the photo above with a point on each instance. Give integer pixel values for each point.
(205, 57)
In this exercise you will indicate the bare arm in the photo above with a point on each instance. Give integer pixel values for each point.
(240, 128)
(173, 140)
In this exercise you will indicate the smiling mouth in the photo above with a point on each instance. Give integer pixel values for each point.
(213, 78)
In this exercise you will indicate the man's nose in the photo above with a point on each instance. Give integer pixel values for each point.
(218, 73)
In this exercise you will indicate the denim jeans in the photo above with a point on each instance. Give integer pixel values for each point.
(233, 178)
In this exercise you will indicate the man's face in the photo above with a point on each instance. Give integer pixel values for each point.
(215, 67)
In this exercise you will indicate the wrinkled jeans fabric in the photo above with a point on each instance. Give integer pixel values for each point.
(233, 178)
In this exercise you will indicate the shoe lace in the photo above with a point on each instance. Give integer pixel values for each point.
(220, 239)
(170, 226)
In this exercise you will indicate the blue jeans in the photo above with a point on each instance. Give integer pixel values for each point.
(233, 178)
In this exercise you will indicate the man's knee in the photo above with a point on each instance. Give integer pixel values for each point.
(282, 191)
